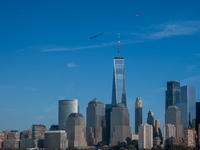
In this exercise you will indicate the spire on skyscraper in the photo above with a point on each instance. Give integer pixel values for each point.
(119, 88)
(118, 44)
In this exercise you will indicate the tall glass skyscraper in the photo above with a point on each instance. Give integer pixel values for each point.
(118, 88)
(172, 95)
(187, 105)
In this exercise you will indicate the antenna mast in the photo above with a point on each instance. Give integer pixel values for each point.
(118, 45)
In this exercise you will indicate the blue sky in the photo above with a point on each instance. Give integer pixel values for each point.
(46, 55)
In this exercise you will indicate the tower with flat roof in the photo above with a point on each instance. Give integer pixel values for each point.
(187, 105)
(66, 107)
(172, 95)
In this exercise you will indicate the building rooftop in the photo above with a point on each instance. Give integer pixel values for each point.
(120, 105)
(76, 115)
(173, 107)
(157, 138)
(96, 101)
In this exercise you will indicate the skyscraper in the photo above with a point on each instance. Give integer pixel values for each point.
(172, 95)
(151, 121)
(107, 119)
(76, 130)
(173, 117)
(187, 105)
(66, 107)
(145, 136)
(157, 129)
(95, 119)
(169, 131)
(138, 113)
(198, 118)
(118, 88)
(189, 136)
(120, 131)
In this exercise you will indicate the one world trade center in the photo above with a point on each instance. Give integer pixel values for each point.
(118, 88)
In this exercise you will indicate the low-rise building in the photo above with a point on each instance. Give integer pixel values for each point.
(56, 139)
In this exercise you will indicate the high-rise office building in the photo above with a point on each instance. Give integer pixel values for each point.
(151, 121)
(172, 95)
(95, 120)
(169, 131)
(173, 117)
(189, 136)
(187, 105)
(118, 88)
(198, 117)
(107, 121)
(145, 136)
(66, 107)
(76, 130)
(120, 130)
(157, 129)
(138, 113)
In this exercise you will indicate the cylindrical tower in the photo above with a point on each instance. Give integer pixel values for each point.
(66, 107)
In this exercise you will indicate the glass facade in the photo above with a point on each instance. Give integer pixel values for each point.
(197, 117)
(172, 95)
(187, 105)
(66, 107)
(118, 89)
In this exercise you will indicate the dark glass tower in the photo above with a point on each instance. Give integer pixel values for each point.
(187, 105)
(118, 88)
(172, 95)
(197, 116)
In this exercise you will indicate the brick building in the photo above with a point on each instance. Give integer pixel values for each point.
(38, 132)
(177, 141)
(189, 137)
(6, 134)
(26, 134)
(12, 139)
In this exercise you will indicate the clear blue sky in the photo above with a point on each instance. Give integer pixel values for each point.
(46, 54)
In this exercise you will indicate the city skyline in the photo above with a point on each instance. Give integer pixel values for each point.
(46, 55)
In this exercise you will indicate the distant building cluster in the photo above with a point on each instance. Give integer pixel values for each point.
(110, 125)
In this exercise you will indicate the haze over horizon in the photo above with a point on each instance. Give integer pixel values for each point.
(46, 55)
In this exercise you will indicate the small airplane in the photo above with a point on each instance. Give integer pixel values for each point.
(138, 14)
(96, 36)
